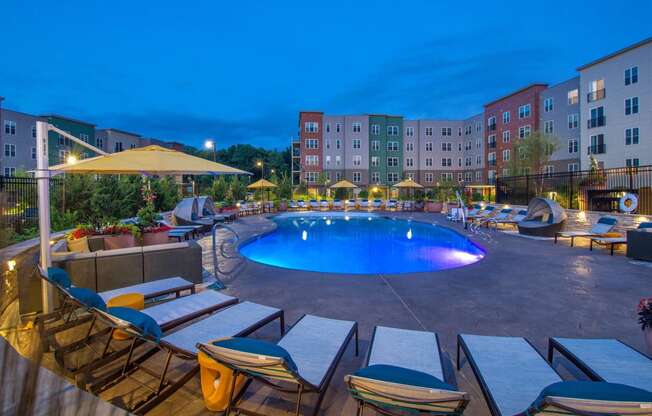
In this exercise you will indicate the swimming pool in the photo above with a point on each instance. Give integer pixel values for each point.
(360, 243)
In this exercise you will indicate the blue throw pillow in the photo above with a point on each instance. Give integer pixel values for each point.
(87, 297)
(645, 225)
(145, 323)
(400, 375)
(59, 277)
(607, 220)
(592, 390)
(256, 346)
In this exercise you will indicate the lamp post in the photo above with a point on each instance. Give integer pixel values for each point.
(261, 165)
(210, 145)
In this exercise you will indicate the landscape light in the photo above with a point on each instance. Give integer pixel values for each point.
(11, 264)
(71, 159)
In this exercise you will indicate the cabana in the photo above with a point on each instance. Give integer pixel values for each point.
(544, 218)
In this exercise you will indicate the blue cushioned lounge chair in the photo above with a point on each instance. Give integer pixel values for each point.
(603, 226)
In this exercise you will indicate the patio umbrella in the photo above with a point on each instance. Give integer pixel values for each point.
(344, 184)
(262, 184)
(408, 184)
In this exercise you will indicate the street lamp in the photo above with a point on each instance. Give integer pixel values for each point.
(262, 167)
(210, 145)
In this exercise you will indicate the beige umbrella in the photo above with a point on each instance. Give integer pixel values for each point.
(344, 184)
(408, 184)
(262, 184)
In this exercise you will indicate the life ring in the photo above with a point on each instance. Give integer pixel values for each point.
(628, 203)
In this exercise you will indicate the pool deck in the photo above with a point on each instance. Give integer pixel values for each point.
(523, 287)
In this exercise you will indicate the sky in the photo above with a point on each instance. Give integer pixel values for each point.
(240, 71)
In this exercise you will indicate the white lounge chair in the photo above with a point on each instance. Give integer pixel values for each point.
(613, 242)
(323, 204)
(603, 226)
(391, 205)
(302, 204)
(350, 204)
(503, 215)
(314, 205)
(408, 205)
(520, 216)
(337, 204)
(292, 205)
(377, 204)
(364, 204)
(403, 372)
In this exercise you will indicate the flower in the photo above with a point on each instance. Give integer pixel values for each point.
(645, 313)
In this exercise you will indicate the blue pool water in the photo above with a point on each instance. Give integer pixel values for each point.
(360, 244)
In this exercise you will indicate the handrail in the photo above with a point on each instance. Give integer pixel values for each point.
(219, 285)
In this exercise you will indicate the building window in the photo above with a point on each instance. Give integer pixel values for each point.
(446, 147)
(409, 131)
(338, 127)
(632, 163)
(548, 169)
(631, 106)
(478, 143)
(356, 143)
(478, 176)
(596, 144)
(410, 176)
(447, 177)
(10, 171)
(409, 162)
(478, 160)
(573, 121)
(547, 105)
(338, 160)
(524, 131)
(428, 131)
(34, 132)
(491, 141)
(428, 177)
(63, 156)
(357, 177)
(573, 167)
(310, 144)
(491, 123)
(392, 162)
(100, 142)
(491, 158)
(132, 146)
(631, 136)
(506, 117)
(375, 177)
(392, 146)
(631, 75)
(446, 162)
(117, 147)
(375, 161)
(10, 127)
(357, 160)
(328, 143)
(311, 127)
(506, 136)
(338, 176)
(84, 137)
(428, 146)
(573, 145)
(524, 111)
(506, 154)
(573, 96)
(10, 150)
(409, 147)
(548, 127)
(375, 129)
(375, 145)
(428, 162)
(311, 177)
(327, 160)
(312, 160)
(446, 131)
(357, 127)
(392, 130)
(338, 144)
(33, 153)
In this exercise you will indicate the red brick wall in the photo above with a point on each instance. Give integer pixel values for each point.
(308, 116)
(511, 103)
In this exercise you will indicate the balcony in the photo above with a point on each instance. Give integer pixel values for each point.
(492, 145)
(491, 162)
(597, 149)
(596, 122)
(595, 95)
(492, 127)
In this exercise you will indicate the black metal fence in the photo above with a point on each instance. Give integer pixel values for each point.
(596, 190)
(19, 201)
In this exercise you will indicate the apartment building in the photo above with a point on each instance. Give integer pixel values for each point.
(616, 104)
(559, 116)
(114, 140)
(17, 141)
(60, 147)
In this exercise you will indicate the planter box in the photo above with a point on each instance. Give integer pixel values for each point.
(150, 239)
(114, 242)
(434, 206)
(283, 206)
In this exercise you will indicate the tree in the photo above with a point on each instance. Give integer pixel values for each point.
(237, 189)
(322, 181)
(284, 189)
(219, 189)
(532, 154)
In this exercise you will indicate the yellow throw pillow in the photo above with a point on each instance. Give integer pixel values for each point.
(79, 245)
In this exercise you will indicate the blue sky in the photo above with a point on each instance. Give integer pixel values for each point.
(240, 71)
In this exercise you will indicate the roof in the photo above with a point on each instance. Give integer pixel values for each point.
(614, 54)
(68, 119)
(121, 131)
(517, 92)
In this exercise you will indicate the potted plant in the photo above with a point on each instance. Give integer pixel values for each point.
(645, 319)
(119, 236)
(152, 232)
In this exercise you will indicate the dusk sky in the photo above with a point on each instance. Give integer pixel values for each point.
(241, 71)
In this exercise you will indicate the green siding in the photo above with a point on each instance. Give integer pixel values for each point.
(382, 153)
(76, 129)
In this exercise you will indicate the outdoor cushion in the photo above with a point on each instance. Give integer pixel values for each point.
(165, 246)
(59, 277)
(143, 322)
(79, 245)
(257, 347)
(607, 220)
(645, 225)
(87, 297)
(593, 390)
(400, 375)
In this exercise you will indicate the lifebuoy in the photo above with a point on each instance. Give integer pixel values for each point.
(629, 203)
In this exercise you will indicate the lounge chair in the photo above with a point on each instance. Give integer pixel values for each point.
(364, 204)
(404, 372)
(475, 210)
(186, 212)
(391, 205)
(314, 205)
(455, 214)
(305, 358)
(503, 215)
(603, 226)
(607, 360)
(408, 206)
(545, 218)
(235, 321)
(515, 380)
(377, 204)
(520, 216)
(302, 204)
(323, 205)
(350, 204)
(65, 318)
(482, 215)
(612, 242)
(337, 205)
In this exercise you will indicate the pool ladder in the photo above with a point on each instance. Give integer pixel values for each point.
(219, 284)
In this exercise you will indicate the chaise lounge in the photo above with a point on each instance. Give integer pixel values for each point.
(599, 229)
(545, 218)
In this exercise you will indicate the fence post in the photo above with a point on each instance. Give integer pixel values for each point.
(570, 192)
(527, 189)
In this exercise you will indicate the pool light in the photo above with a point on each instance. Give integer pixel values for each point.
(409, 234)
(304, 235)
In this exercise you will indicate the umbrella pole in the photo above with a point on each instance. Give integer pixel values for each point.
(43, 183)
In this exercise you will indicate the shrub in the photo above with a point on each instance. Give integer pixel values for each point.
(645, 313)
